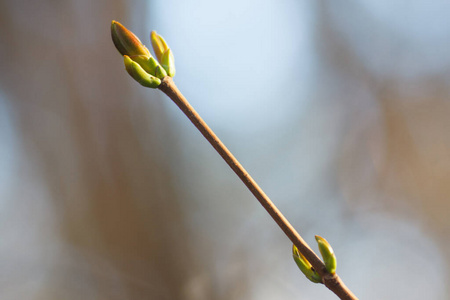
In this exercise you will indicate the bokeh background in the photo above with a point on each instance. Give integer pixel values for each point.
(339, 110)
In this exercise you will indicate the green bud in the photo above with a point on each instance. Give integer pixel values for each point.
(153, 64)
(126, 42)
(327, 254)
(160, 72)
(159, 45)
(168, 62)
(139, 74)
(147, 63)
(305, 266)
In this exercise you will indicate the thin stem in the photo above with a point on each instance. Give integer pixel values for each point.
(332, 281)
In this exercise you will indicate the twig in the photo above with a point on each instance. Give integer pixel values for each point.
(331, 281)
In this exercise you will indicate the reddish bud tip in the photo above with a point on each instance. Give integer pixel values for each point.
(126, 42)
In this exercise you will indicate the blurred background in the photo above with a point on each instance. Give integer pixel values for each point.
(338, 109)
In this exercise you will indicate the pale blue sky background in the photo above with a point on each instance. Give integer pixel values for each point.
(231, 50)
(256, 67)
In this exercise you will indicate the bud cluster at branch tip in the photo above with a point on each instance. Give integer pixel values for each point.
(139, 63)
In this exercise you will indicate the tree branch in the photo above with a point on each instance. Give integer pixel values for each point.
(331, 281)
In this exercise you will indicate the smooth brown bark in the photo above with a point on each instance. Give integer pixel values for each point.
(331, 281)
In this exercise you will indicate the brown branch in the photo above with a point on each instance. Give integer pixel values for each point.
(332, 281)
